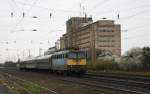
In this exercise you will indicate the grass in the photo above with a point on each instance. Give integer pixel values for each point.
(33, 88)
(19, 87)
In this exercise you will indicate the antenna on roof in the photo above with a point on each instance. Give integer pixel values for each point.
(80, 8)
(118, 15)
(83, 10)
(85, 15)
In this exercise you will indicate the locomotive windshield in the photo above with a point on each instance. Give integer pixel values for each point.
(72, 55)
(81, 55)
(77, 55)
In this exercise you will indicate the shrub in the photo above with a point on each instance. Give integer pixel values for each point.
(103, 65)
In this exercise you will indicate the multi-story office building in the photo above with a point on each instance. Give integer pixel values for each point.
(92, 37)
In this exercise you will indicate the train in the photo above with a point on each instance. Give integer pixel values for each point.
(65, 61)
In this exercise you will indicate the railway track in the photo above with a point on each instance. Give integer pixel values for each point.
(19, 81)
(103, 85)
(122, 81)
(112, 89)
(60, 78)
(120, 76)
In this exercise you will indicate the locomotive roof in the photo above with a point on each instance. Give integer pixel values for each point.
(61, 52)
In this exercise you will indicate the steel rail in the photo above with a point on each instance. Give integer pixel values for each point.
(87, 83)
(115, 79)
(23, 80)
(120, 76)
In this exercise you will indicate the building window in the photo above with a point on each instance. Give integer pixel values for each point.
(106, 45)
(106, 36)
(105, 30)
(105, 40)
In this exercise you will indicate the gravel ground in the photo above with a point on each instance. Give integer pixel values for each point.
(62, 87)
(3, 88)
(53, 83)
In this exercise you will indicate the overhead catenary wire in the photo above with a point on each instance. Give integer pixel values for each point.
(48, 9)
(135, 29)
(127, 18)
(72, 11)
(138, 27)
(133, 37)
(16, 5)
(24, 15)
(118, 17)
(76, 11)
(136, 14)
(118, 14)
(12, 9)
(98, 5)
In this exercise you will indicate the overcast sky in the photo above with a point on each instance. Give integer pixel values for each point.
(17, 37)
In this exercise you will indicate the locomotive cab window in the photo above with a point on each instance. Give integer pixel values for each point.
(81, 55)
(72, 55)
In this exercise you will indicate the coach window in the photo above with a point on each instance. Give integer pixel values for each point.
(62, 55)
(57, 56)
